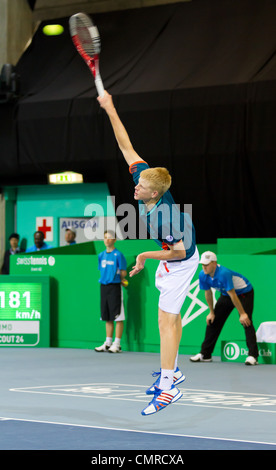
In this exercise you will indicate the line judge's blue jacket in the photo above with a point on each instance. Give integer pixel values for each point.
(224, 280)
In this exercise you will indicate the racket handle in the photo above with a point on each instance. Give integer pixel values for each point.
(99, 86)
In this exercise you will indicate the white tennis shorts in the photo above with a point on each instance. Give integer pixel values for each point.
(173, 281)
(121, 317)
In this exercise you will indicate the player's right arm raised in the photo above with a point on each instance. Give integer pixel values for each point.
(120, 132)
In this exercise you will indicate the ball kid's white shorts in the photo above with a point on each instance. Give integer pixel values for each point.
(173, 281)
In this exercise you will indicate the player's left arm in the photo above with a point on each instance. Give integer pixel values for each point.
(244, 318)
(175, 252)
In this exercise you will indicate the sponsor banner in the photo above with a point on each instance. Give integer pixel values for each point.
(35, 263)
(87, 229)
(237, 351)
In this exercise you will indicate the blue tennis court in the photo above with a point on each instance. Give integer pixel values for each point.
(71, 399)
(32, 435)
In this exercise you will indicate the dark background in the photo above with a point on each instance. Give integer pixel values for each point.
(194, 84)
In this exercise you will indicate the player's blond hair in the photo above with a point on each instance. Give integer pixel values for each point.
(158, 178)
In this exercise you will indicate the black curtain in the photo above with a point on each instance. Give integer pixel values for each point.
(194, 84)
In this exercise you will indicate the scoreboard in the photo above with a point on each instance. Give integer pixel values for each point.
(24, 311)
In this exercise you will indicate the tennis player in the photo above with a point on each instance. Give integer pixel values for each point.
(178, 258)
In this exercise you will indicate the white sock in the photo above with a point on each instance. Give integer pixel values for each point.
(108, 341)
(117, 341)
(175, 362)
(166, 379)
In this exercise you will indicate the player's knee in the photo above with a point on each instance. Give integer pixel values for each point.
(167, 321)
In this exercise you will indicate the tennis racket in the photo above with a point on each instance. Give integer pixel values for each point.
(86, 38)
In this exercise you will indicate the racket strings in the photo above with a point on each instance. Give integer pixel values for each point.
(86, 39)
(89, 38)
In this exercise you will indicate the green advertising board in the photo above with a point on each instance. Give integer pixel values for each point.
(24, 311)
(75, 297)
(237, 351)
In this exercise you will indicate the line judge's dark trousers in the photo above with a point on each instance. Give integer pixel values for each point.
(223, 308)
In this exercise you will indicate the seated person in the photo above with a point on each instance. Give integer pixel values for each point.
(70, 236)
(39, 243)
(14, 249)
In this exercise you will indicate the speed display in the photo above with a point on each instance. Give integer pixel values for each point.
(21, 313)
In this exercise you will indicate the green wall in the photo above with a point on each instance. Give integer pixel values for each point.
(75, 297)
(55, 201)
(245, 246)
(75, 294)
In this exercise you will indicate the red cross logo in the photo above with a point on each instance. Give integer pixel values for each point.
(44, 227)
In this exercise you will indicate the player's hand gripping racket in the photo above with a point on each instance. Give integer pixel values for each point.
(86, 38)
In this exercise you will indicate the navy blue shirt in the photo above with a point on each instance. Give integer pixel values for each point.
(165, 223)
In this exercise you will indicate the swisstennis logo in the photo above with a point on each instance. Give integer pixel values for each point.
(197, 306)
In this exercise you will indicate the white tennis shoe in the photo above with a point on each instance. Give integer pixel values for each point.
(251, 361)
(103, 348)
(161, 399)
(115, 348)
(200, 358)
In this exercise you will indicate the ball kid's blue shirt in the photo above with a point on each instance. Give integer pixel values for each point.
(165, 223)
(224, 280)
(110, 265)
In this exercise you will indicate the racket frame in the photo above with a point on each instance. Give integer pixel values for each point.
(91, 61)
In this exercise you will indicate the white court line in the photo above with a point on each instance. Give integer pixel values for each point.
(138, 431)
(30, 389)
(37, 390)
